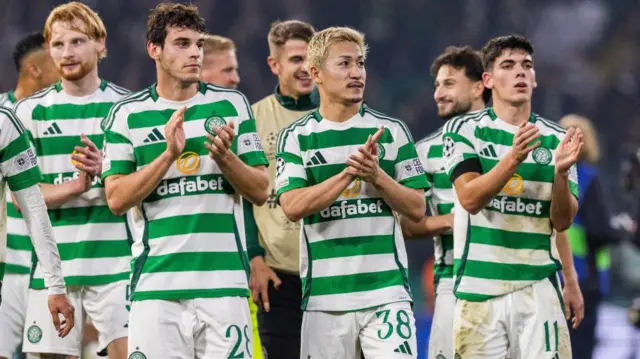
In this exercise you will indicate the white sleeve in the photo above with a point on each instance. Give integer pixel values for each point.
(38, 224)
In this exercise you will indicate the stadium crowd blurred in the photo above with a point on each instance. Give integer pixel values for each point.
(587, 62)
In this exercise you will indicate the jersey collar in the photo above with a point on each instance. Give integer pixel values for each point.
(102, 87)
(11, 96)
(202, 88)
(492, 114)
(316, 114)
(303, 103)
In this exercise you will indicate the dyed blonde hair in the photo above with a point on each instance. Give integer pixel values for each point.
(68, 13)
(322, 41)
(591, 149)
(216, 43)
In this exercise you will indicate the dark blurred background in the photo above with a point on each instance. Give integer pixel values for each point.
(586, 59)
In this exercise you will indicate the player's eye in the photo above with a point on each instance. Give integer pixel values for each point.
(344, 63)
(360, 63)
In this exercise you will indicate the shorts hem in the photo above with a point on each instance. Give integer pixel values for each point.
(7, 354)
(111, 339)
(50, 350)
(358, 309)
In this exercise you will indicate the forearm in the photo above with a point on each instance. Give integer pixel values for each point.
(563, 205)
(428, 226)
(303, 202)
(477, 193)
(566, 257)
(250, 182)
(406, 201)
(125, 191)
(38, 225)
(55, 195)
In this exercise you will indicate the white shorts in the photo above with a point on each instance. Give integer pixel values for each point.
(384, 332)
(441, 336)
(526, 324)
(106, 308)
(15, 290)
(193, 328)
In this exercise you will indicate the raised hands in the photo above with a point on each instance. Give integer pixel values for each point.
(87, 159)
(365, 163)
(526, 134)
(569, 150)
(220, 144)
(174, 133)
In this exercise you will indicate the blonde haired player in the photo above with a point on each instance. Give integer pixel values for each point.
(220, 63)
(64, 120)
(344, 170)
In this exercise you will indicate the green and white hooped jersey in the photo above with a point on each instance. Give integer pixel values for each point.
(440, 200)
(190, 243)
(508, 245)
(92, 241)
(19, 247)
(18, 168)
(352, 254)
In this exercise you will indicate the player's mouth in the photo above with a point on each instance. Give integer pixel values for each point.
(69, 65)
(521, 86)
(355, 84)
(304, 78)
(192, 66)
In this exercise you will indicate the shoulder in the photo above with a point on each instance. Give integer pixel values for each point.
(467, 121)
(8, 118)
(127, 104)
(264, 102)
(548, 127)
(293, 130)
(388, 121)
(433, 138)
(117, 90)
(237, 98)
(36, 98)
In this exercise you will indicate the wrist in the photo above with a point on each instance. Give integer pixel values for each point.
(561, 174)
(570, 275)
(167, 157)
(380, 179)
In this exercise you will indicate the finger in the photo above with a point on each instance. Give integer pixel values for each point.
(90, 170)
(223, 137)
(232, 126)
(276, 281)
(55, 317)
(213, 150)
(526, 134)
(356, 165)
(229, 131)
(354, 172)
(222, 145)
(569, 135)
(377, 135)
(69, 315)
(526, 141)
(358, 159)
(255, 294)
(85, 160)
(264, 293)
(86, 151)
(567, 309)
(533, 147)
(366, 154)
(84, 139)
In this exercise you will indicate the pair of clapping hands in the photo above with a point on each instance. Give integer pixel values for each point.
(365, 163)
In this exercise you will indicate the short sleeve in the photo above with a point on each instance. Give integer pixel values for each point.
(118, 156)
(408, 167)
(290, 171)
(18, 161)
(248, 146)
(423, 152)
(457, 145)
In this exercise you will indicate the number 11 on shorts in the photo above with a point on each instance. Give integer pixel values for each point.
(547, 337)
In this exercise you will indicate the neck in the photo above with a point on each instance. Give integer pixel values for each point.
(25, 87)
(512, 114)
(337, 111)
(84, 86)
(285, 91)
(173, 89)
(477, 105)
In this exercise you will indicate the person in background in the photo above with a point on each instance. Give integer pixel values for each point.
(280, 314)
(220, 67)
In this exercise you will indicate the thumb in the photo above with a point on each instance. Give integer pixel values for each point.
(567, 309)
(54, 316)
(276, 281)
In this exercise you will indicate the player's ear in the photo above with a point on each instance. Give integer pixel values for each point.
(153, 50)
(33, 70)
(273, 65)
(102, 47)
(535, 83)
(478, 89)
(487, 79)
(315, 74)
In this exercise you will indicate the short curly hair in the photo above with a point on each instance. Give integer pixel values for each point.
(167, 15)
(494, 48)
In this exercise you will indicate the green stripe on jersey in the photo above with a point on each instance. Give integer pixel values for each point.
(352, 253)
(441, 201)
(92, 241)
(508, 244)
(190, 240)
